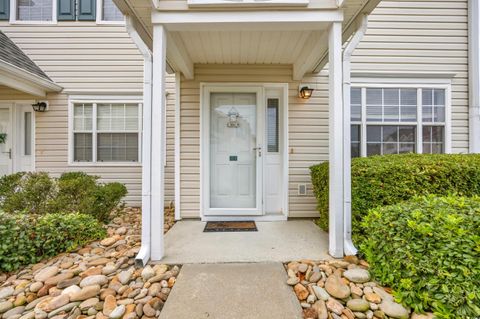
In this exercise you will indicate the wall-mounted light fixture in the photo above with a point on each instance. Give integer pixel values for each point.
(40, 106)
(305, 92)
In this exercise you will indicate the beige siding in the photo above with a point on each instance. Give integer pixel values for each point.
(9, 94)
(403, 36)
(86, 58)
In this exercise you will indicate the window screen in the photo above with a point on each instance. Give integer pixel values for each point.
(111, 12)
(34, 10)
(272, 125)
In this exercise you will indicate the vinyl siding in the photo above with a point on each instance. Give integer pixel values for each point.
(403, 36)
(86, 59)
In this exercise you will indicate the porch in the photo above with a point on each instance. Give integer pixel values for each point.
(281, 241)
(221, 147)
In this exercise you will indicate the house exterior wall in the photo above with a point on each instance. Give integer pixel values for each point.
(86, 59)
(402, 37)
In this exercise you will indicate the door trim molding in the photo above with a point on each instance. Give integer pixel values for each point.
(205, 89)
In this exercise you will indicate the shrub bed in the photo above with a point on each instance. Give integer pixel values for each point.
(27, 238)
(428, 250)
(390, 179)
(39, 194)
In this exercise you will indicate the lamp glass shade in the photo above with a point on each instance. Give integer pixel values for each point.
(306, 92)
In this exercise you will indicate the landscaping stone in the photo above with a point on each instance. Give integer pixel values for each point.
(337, 288)
(344, 290)
(357, 275)
(46, 273)
(394, 310)
(358, 305)
(6, 292)
(98, 281)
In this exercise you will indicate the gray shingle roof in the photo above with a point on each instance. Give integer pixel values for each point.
(11, 53)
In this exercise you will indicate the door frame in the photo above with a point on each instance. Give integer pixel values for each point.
(13, 106)
(229, 214)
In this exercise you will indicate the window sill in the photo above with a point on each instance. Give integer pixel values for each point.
(33, 22)
(105, 164)
(102, 22)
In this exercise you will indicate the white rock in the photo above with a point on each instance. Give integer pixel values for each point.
(148, 273)
(46, 273)
(117, 312)
(71, 290)
(125, 276)
(94, 280)
(321, 293)
(6, 292)
(357, 275)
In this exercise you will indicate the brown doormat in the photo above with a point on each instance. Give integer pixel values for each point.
(233, 226)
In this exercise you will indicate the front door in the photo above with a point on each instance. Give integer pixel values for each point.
(16, 138)
(235, 153)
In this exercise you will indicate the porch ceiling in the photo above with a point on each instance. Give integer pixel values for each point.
(304, 45)
(244, 47)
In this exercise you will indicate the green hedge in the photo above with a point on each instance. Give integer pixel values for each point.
(428, 250)
(390, 179)
(27, 238)
(39, 194)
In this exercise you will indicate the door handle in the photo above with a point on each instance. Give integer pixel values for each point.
(259, 149)
(9, 153)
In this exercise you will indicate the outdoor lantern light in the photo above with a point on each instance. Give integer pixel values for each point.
(40, 106)
(305, 92)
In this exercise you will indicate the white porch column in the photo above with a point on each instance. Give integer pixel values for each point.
(158, 137)
(336, 141)
(474, 74)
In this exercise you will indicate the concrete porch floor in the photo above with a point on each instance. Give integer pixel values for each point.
(278, 241)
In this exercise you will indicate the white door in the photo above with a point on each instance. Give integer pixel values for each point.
(6, 162)
(235, 154)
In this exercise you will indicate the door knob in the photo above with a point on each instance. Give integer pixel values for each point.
(259, 149)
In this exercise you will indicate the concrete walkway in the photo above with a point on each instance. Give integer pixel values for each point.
(186, 243)
(233, 291)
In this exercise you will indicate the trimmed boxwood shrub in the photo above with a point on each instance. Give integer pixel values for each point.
(428, 250)
(27, 238)
(39, 194)
(390, 179)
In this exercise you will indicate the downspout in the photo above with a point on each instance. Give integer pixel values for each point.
(474, 74)
(144, 253)
(349, 247)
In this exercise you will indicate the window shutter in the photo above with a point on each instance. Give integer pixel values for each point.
(87, 10)
(4, 9)
(66, 10)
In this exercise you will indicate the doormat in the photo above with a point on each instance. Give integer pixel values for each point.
(233, 226)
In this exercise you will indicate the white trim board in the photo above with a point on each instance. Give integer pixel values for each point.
(241, 87)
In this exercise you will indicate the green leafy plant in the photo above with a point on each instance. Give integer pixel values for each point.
(390, 179)
(28, 238)
(38, 193)
(3, 138)
(428, 250)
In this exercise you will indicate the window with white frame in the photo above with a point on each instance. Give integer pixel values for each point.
(110, 12)
(34, 10)
(395, 120)
(106, 132)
